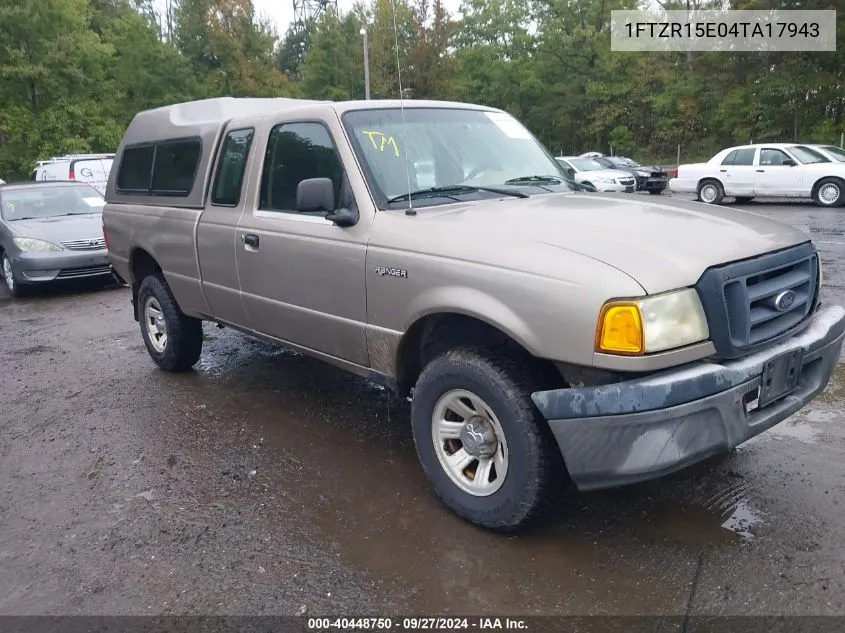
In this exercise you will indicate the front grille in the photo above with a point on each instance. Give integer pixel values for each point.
(740, 299)
(95, 243)
(626, 181)
(88, 271)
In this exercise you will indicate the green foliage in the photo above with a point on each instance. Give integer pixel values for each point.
(74, 72)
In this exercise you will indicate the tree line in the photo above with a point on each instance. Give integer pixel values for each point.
(74, 72)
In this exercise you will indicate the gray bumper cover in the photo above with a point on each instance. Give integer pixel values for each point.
(644, 428)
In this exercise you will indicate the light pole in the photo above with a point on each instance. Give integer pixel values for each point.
(366, 65)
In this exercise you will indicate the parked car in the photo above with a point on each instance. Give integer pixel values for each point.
(50, 231)
(525, 321)
(92, 169)
(834, 153)
(651, 178)
(592, 174)
(783, 170)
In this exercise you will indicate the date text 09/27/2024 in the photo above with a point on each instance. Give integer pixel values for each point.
(416, 624)
(745, 30)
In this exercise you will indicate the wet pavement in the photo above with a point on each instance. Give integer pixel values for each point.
(269, 483)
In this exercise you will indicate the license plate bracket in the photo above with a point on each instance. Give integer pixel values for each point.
(780, 376)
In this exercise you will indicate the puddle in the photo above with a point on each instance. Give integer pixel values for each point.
(743, 520)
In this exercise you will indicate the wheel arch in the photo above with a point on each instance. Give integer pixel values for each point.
(141, 265)
(437, 331)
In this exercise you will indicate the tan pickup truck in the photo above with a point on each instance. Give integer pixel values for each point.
(438, 249)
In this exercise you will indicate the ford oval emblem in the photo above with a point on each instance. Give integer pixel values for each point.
(785, 300)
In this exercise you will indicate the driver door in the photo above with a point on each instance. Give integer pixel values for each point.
(775, 178)
(302, 278)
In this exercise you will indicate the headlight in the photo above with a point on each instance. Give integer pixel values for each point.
(653, 324)
(31, 244)
(609, 181)
(643, 173)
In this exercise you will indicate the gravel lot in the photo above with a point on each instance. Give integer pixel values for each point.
(269, 483)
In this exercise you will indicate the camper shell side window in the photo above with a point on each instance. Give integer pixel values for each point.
(161, 168)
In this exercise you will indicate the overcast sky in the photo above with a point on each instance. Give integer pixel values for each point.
(280, 12)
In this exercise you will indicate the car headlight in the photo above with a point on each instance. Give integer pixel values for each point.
(651, 324)
(643, 173)
(38, 246)
(609, 181)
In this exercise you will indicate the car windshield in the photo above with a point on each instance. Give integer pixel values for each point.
(807, 155)
(439, 147)
(49, 202)
(836, 152)
(621, 162)
(586, 164)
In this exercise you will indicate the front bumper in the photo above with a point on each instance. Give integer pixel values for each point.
(644, 428)
(33, 267)
(615, 187)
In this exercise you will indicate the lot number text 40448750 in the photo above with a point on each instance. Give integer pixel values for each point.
(416, 624)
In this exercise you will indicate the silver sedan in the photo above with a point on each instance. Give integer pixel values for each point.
(51, 231)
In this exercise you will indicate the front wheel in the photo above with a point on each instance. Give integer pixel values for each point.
(484, 447)
(829, 193)
(655, 192)
(12, 285)
(173, 340)
(711, 192)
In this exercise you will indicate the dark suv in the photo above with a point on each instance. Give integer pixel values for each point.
(649, 178)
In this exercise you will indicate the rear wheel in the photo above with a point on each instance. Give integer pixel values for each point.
(173, 340)
(711, 192)
(829, 193)
(484, 447)
(15, 289)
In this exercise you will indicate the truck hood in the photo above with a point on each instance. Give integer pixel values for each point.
(662, 245)
(60, 228)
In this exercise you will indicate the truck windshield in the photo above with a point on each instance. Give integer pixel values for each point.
(445, 147)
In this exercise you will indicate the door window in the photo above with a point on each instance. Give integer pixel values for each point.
(231, 168)
(297, 152)
(772, 157)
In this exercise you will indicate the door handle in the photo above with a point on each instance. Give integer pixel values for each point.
(250, 240)
(723, 170)
(760, 171)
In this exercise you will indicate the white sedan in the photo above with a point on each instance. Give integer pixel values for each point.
(782, 170)
(588, 172)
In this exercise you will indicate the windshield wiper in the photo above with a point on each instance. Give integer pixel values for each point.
(29, 217)
(516, 181)
(433, 192)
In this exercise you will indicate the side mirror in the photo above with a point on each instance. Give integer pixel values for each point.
(788, 162)
(343, 217)
(315, 194)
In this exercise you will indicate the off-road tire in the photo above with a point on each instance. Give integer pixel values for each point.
(184, 334)
(505, 381)
(708, 185)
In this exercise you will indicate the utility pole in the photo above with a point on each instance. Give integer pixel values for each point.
(366, 64)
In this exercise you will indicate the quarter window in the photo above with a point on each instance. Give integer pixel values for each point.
(297, 152)
(230, 170)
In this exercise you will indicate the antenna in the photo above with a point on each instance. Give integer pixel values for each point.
(410, 210)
